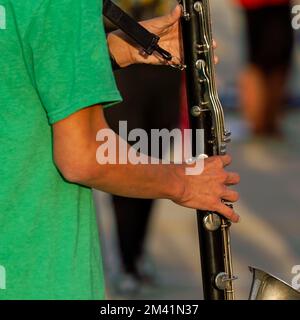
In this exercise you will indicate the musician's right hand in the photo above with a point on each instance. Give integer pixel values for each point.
(208, 190)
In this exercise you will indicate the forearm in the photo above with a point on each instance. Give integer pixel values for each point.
(152, 181)
(138, 181)
(79, 142)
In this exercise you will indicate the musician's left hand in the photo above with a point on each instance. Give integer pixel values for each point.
(166, 27)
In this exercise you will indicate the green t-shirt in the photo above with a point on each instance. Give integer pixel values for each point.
(53, 62)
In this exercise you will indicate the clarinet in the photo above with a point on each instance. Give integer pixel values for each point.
(206, 113)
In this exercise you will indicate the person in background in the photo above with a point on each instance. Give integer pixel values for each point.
(151, 100)
(263, 83)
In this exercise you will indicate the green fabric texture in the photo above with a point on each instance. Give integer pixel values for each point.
(53, 62)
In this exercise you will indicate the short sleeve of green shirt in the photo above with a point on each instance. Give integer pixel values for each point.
(70, 57)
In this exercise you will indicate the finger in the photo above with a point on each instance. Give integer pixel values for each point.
(232, 178)
(215, 44)
(216, 59)
(175, 15)
(226, 160)
(228, 213)
(230, 195)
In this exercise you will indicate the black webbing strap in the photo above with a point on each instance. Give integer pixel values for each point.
(147, 40)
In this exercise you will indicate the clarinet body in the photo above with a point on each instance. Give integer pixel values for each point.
(206, 113)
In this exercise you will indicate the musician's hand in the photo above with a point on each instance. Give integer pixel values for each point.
(126, 52)
(167, 27)
(207, 190)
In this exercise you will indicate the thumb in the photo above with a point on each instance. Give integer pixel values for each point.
(174, 15)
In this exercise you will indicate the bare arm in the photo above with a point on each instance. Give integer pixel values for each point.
(75, 149)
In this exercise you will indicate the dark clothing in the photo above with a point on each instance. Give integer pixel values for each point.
(132, 218)
(151, 97)
(270, 37)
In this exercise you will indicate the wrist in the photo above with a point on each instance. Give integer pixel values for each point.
(176, 185)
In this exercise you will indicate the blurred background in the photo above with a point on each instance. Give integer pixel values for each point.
(157, 256)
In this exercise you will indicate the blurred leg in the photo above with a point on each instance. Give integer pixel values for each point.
(132, 217)
(263, 84)
(253, 95)
(276, 85)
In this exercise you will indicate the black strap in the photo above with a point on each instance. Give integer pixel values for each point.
(147, 40)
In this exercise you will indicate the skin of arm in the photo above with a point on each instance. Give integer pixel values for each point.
(75, 148)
